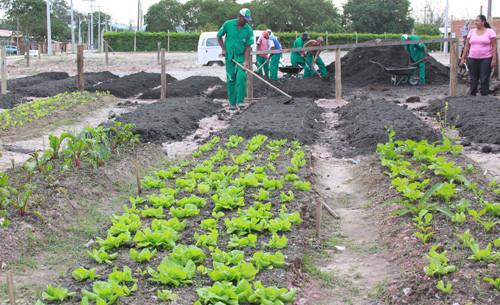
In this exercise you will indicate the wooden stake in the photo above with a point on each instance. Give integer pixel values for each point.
(319, 212)
(163, 75)
(338, 78)
(158, 53)
(250, 79)
(10, 286)
(139, 188)
(168, 41)
(4, 70)
(79, 68)
(106, 51)
(39, 51)
(453, 68)
(28, 55)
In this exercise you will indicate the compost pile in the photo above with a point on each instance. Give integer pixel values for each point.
(189, 87)
(358, 71)
(168, 119)
(363, 125)
(40, 78)
(55, 87)
(10, 100)
(132, 84)
(297, 121)
(478, 116)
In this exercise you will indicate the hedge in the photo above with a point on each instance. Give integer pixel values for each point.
(185, 42)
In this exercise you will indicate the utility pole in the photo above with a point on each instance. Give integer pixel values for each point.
(138, 15)
(445, 47)
(17, 38)
(72, 29)
(488, 15)
(49, 34)
(91, 25)
(79, 30)
(99, 38)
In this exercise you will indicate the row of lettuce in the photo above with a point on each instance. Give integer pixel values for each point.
(437, 195)
(221, 179)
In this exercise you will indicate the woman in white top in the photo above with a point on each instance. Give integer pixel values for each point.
(482, 44)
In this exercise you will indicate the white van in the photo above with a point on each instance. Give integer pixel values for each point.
(209, 49)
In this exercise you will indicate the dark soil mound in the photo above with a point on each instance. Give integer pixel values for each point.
(40, 78)
(56, 87)
(358, 71)
(10, 100)
(133, 84)
(168, 119)
(189, 87)
(313, 87)
(363, 125)
(478, 116)
(296, 121)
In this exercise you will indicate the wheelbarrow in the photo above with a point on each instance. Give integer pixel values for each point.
(400, 75)
(291, 71)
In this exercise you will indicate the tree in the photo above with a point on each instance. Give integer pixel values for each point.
(293, 15)
(209, 13)
(426, 29)
(163, 16)
(379, 16)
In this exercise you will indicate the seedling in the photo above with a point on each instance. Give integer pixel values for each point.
(494, 282)
(423, 226)
(57, 294)
(438, 263)
(440, 286)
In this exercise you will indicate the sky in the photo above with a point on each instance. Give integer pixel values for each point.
(125, 11)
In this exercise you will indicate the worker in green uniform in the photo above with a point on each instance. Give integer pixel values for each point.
(239, 38)
(313, 58)
(297, 58)
(417, 53)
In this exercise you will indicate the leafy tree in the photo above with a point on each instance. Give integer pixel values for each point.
(164, 15)
(209, 13)
(379, 16)
(426, 29)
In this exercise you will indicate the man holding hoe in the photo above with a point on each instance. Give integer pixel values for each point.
(236, 48)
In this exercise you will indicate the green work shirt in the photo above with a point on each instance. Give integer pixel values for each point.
(236, 40)
(417, 51)
(299, 43)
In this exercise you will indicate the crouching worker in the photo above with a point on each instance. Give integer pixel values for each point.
(237, 47)
(417, 53)
(313, 57)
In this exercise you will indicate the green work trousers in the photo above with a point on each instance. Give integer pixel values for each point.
(298, 61)
(236, 82)
(309, 70)
(275, 61)
(263, 64)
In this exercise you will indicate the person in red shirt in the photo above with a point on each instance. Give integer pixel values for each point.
(263, 59)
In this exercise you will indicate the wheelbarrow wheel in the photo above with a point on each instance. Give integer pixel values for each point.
(413, 80)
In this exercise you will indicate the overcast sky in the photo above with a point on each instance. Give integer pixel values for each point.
(125, 11)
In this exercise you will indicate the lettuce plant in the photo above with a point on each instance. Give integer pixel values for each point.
(286, 198)
(165, 238)
(81, 274)
(173, 223)
(152, 212)
(271, 295)
(248, 241)
(172, 273)
(302, 186)
(219, 293)
(209, 224)
(263, 195)
(440, 286)
(223, 272)
(494, 282)
(150, 182)
(107, 292)
(194, 200)
(186, 211)
(164, 175)
(57, 294)
(207, 239)
(121, 276)
(483, 254)
(228, 198)
(161, 200)
(125, 223)
(277, 242)
(273, 156)
(228, 258)
(438, 263)
(181, 254)
(114, 241)
(264, 260)
(166, 295)
(101, 256)
(144, 255)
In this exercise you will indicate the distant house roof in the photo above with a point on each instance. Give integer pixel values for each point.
(5, 33)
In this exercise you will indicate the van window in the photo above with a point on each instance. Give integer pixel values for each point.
(212, 42)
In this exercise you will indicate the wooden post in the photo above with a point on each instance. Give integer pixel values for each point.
(106, 51)
(135, 41)
(79, 68)
(158, 53)
(356, 37)
(10, 287)
(326, 37)
(27, 55)
(338, 78)
(453, 68)
(250, 79)
(137, 176)
(168, 41)
(4, 69)
(163, 75)
(319, 212)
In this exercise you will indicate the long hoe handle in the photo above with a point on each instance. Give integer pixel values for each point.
(265, 82)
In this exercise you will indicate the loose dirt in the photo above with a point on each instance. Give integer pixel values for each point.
(189, 87)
